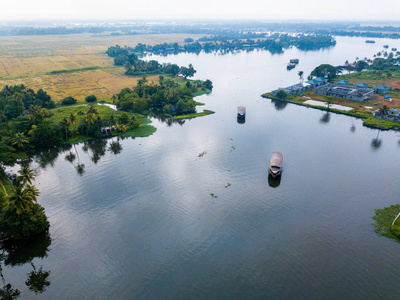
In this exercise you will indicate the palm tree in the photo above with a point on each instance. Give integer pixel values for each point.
(301, 75)
(32, 191)
(20, 200)
(121, 127)
(34, 111)
(64, 125)
(92, 110)
(90, 119)
(26, 175)
(384, 110)
(72, 120)
(38, 280)
(19, 140)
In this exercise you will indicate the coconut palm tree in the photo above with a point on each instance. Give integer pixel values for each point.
(32, 191)
(92, 110)
(20, 200)
(33, 111)
(19, 140)
(301, 75)
(38, 280)
(26, 175)
(64, 125)
(72, 120)
(384, 110)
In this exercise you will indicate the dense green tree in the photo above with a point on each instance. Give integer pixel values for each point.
(28, 223)
(13, 108)
(187, 71)
(281, 94)
(91, 98)
(361, 65)
(208, 84)
(46, 136)
(68, 101)
(326, 71)
(7, 155)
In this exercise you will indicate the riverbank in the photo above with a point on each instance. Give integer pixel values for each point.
(367, 116)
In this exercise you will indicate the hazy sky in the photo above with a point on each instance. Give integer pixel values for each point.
(201, 9)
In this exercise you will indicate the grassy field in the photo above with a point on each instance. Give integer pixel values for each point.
(29, 60)
(105, 112)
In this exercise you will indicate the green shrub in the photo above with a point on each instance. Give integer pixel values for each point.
(68, 101)
(91, 98)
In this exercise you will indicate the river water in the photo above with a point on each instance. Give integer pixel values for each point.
(190, 212)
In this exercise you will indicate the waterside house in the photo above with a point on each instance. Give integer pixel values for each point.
(300, 87)
(293, 89)
(357, 92)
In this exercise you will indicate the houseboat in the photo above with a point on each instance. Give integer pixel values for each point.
(294, 61)
(386, 46)
(241, 112)
(290, 66)
(394, 49)
(275, 164)
(370, 41)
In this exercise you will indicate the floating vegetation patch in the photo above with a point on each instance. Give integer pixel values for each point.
(213, 195)
(384, 218)
(227, 185)
(202, 154)
(206, 112)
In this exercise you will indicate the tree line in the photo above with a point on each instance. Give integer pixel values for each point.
(227, 43)
(125, 56)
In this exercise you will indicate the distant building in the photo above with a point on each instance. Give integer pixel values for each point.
(343, 82)
(361, 85)
(342, 90)
(293, 89)
(317, 82)
(381, 89)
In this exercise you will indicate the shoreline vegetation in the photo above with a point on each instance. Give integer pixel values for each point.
(371, 73)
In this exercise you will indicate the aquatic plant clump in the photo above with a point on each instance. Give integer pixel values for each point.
(384, 218)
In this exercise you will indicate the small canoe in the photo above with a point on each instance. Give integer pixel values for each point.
(275, 164)
(241, 112)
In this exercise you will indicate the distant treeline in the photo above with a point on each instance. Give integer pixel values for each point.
(246, 30)
(274, 43)
(125, 56)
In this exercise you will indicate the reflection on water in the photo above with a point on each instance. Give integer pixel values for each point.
(166, 119)
(326, 117)
(241, 120)
(274, 182)
(278, 104)
(23, 252)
